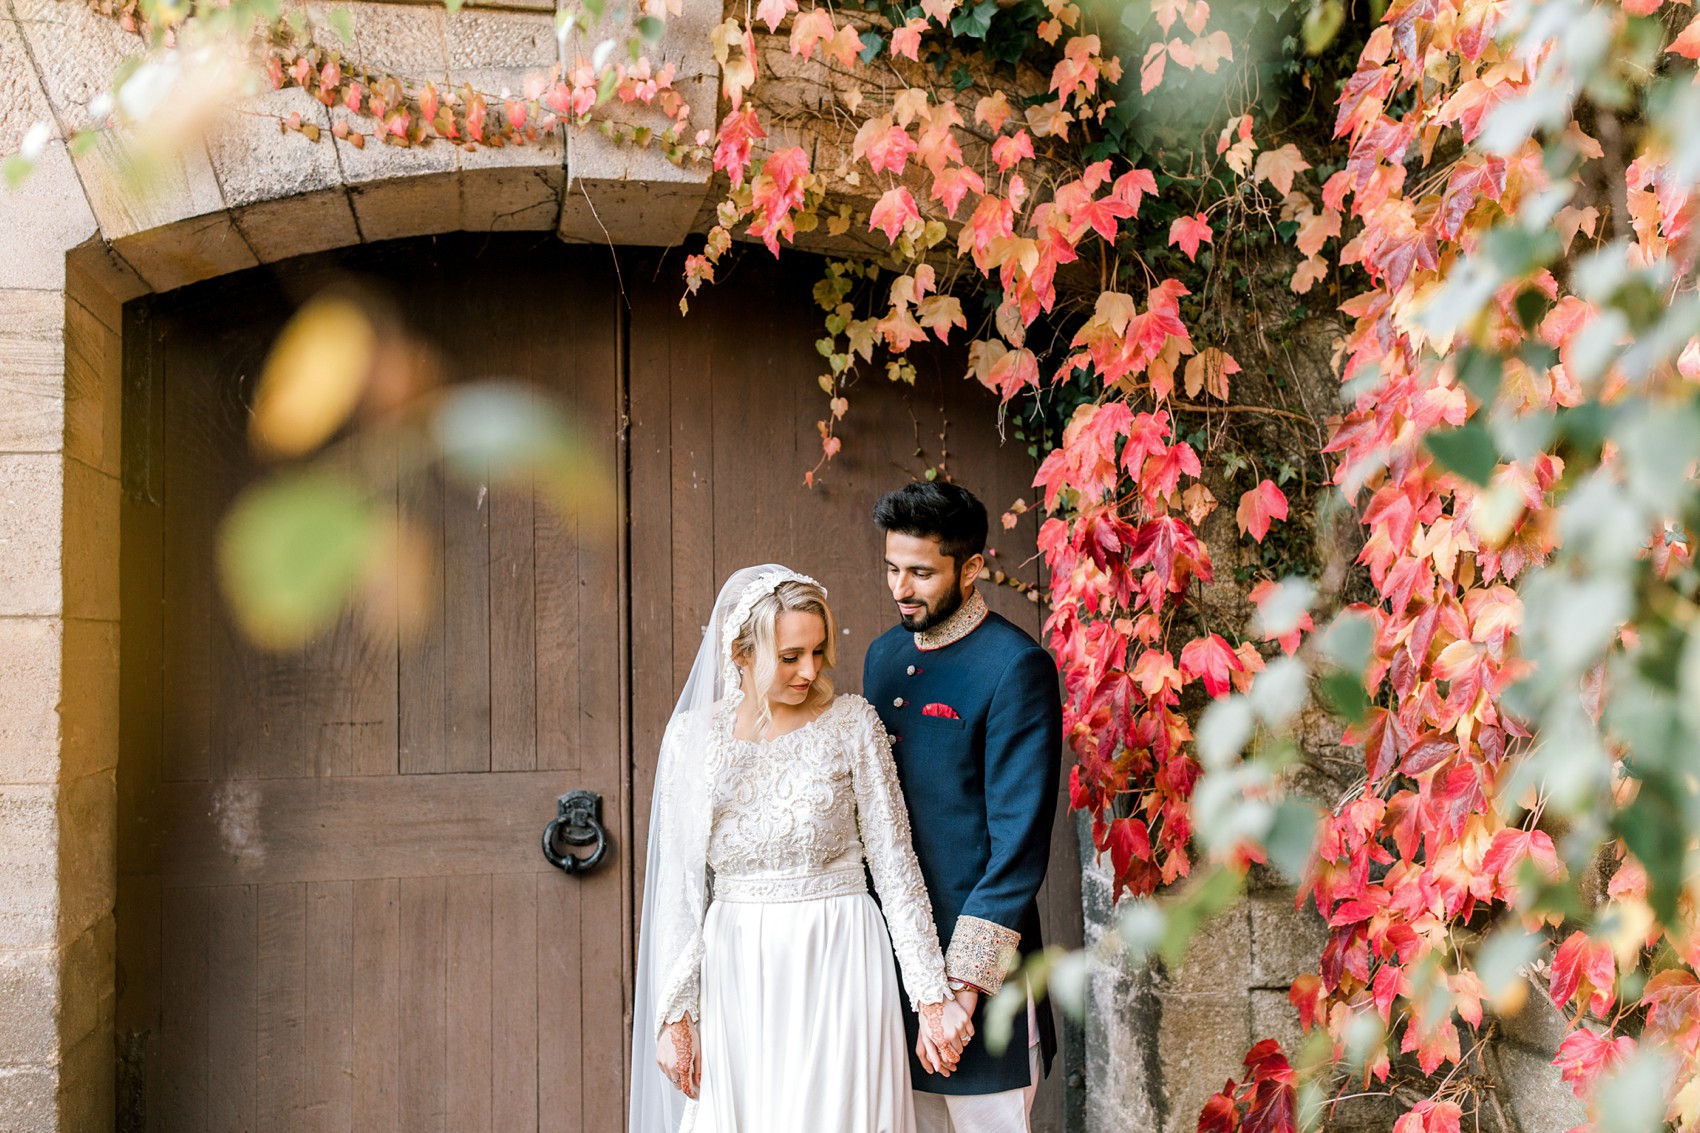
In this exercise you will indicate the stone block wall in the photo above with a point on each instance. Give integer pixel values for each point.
(1159, 1042)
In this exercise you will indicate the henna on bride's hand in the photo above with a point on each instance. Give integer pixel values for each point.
(949, 1051)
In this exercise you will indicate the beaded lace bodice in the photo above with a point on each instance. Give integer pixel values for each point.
(794, 818)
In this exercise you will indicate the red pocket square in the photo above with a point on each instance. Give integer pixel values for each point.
(943, 710)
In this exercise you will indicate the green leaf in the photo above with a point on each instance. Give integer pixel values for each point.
(651, 28)
(1292, 837)
(1468, 450)
(872, 44)
(975, 21)
(1345, 694)
(290, 553)
(1653, 826)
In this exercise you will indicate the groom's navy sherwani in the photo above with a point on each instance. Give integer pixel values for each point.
(976, 727)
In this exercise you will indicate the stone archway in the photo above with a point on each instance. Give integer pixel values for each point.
(79, 244)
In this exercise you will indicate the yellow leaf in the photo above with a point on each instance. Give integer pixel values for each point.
(314, 378)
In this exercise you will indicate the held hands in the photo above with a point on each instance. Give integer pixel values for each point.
(679, 1054)
(945, 1030)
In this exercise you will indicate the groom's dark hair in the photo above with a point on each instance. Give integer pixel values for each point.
(935, 510)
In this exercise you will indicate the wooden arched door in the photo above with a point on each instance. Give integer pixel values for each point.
(333, 909)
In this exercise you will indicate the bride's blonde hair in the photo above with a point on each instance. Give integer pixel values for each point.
(758, 643)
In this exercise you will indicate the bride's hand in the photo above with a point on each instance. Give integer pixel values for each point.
(679, 1054)
(940, 1047)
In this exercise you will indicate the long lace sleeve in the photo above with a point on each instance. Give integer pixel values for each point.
(884, 824)
(678, 875)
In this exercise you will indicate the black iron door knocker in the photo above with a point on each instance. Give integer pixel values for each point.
(579, 823)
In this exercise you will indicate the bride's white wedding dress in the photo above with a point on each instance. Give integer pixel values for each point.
(790, 975)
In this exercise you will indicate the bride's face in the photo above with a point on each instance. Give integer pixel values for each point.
(801, 641)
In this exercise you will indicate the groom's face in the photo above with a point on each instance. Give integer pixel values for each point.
(927, 584)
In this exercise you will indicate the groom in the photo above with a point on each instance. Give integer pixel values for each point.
(971, 704)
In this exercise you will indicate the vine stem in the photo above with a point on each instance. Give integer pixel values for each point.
(1264, 409)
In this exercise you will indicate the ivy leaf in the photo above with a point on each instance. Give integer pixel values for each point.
(976, 21)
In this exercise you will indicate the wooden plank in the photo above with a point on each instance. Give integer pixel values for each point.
(561, 1020)
(465, 622)
(372, 675)
(233, 992)
(183, 1011)
(281, 1007)
(328, 1098)
(560, 652)
(422, 724)
(376, 1006)
(514, 641)
(424, 1053)
(345, 829)
(467, 1091)
(513, 1003)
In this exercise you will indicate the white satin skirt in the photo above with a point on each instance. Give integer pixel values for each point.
(800, 1021)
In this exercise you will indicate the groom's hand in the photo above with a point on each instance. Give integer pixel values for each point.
(959, 1016)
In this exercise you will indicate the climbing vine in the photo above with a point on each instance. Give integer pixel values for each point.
(1495, 199)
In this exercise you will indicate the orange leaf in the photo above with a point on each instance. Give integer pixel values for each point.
(1258, 507)
(906, 40)
(1278, 166)
(1209, 371)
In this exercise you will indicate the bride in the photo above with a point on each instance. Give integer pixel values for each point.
(766, 999)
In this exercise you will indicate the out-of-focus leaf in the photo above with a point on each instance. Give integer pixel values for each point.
(314, 378)
(1467, 450)
(1322, 24)
(290, 553)
(504, 431)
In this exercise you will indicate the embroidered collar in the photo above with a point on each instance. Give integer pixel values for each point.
(953, 629)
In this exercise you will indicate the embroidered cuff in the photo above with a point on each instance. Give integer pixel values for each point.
(979, 952)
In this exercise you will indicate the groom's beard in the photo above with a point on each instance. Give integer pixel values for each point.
(947, 605)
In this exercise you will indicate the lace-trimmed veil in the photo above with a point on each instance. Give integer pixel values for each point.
(675, 887)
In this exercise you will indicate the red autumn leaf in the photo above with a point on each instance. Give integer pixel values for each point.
(1673, 1008)
(1258, 506)
(1586, 971)
(737, 134)
(1129, 841)
(1007, 151)
(954, 183)
(1220, 1114)
(1511, 847)
(1169, 546)
(1211, 658)
(1012, 373)
(1189, 232)
(884, 144)
(1383, 738)
(894, 210)
(1430, 1116)
(1584, 1055)
(1687, 44)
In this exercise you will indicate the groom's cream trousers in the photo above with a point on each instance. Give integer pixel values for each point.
(1005, 1112)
